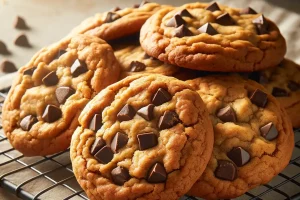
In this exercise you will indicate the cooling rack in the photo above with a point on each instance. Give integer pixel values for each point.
(51, 177)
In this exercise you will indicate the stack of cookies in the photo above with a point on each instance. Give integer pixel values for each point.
(160, 101)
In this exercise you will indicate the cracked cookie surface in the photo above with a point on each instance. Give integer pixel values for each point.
(213, 38)
(144, 137)
(254, 138)
(41, 110)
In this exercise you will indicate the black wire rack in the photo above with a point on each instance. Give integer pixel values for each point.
(51, 177)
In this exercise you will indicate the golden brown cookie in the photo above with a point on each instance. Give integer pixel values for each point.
(254, 138)
(144, 138)
(213, 37)
(283, 82)
(118, 22)
(41, 110)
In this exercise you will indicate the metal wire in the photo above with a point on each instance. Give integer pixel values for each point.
(19, 190)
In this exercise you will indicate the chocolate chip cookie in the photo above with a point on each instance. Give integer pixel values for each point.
(254, 138)
(41, 110)
(213, 37)
(283, 82)
(144, 137)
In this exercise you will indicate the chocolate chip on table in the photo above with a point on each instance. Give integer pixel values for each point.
(78, 67)
(213, 7)
(22, 41)
(104, 155)
(120, 175)
(182, 31)
(147, 140)
(259, 98)
(7, 67)
(115, 9)
(3, 49)
(168, 120)
(175, 21)
(51, 113)
(225, 20)
(20, 23)
(157, 174)
(50, 79)
(126, 113)
(279, 92)
(136, 66)
(227, 114)
(161, 96)
(293, 86)
(261, 25)
(208, 28)
(97, 145)
(63, 93)
(119, 141)
(184, 13)
(27, 122)
(226, 170)
(29, 71)
(111, 16)
(146, 112)
(269, 131)
(248, 10)
(96, 123)
(239, 156)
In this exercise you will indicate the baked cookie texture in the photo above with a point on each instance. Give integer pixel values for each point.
(254, 138)
(213, 38)
(41, 110)
(144, 137)
(283, 82)
(118, 22)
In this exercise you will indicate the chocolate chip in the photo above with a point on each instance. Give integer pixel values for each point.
(239, 156)
(259, 77)
(78, 67)
(184, 13)
(115, 9)
(97, 145)
(279, 92)
(261, 25)
(182, 31)
(27, 122)
(146, 112)
(208, 28)
(227, 114)
(60, 53)
(20, 23)
(119, 141)
(120, 175)
(111, 16)
(157, 174)
(126, 113)
(29, 71)
(3, 49)
(50, 79)
(269, 131)
(147, 140)
(248, 10)
(7, 67)
(176, 21)
(63, 93)
(96, 123)
(293, 86)
(51, 113)
(143, 3)
(226, 170)
(136, 5)
(104, 155)
(161, 96)
(213, 7)
(136, 66)
(225, 20)
(22, 41)
(168, 120)
(259, 98)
